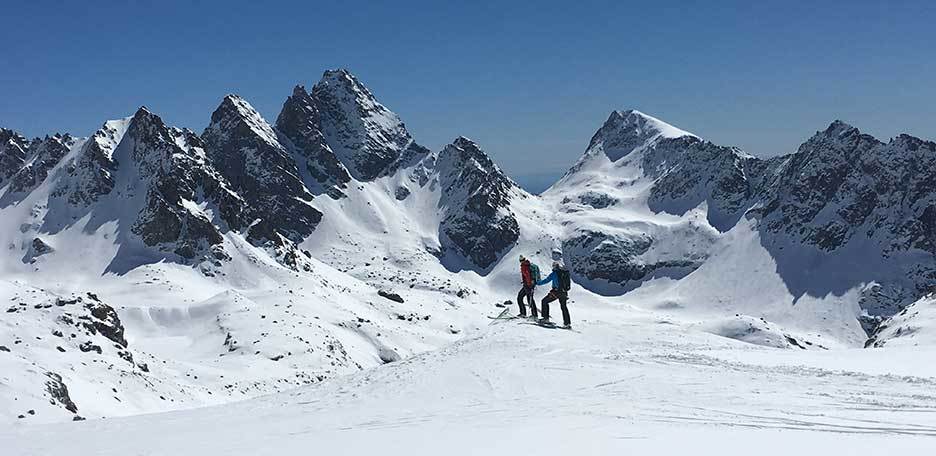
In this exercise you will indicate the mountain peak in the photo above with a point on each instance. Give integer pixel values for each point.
(234, 109)
(143, 114)
(630, 130)
(643, 124)
(366, 136)
(839, 128)
(338, 74)
(463, 141)
(342, 79)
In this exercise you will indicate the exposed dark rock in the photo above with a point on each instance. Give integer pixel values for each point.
(478, 223)
(401, 193)
(106, 322)
(368, 138)
(89, 346)
(44, 154)
(299, 125)
(57, 389)
(388, 355)
(13, 148)
(618, 259)
(245, 149)
(91, 174)
(391, 296)
(37, 248)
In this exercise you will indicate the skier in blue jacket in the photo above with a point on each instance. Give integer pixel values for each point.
(561, 282)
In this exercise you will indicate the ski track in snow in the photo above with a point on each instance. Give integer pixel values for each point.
(632, 384)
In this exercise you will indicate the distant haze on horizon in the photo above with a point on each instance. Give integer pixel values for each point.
(530, 82)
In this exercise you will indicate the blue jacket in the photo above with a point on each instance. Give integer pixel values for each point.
(552, 277)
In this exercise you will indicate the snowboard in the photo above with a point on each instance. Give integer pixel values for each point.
(547, 325)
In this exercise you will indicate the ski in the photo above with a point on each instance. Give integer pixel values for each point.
(501, 316)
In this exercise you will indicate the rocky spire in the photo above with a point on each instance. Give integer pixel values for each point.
(477, 222)
(299, 124)
(245, 149)
(367, 137)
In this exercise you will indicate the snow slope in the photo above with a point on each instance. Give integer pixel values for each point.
(630, 383)
(914, 326)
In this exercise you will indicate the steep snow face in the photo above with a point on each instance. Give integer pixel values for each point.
(647, 200)
(91, 174)
(300, 125)
(915, 325)
(477, 222)
(244, 148)
(368, 138)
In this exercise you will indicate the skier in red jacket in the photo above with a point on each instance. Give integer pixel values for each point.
(528, 282)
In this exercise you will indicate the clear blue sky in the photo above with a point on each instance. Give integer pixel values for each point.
(529, 81)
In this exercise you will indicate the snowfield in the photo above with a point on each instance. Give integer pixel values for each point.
(625, 380)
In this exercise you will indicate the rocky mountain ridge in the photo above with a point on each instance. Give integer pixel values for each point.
(243, 174)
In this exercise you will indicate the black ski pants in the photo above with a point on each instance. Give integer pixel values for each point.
(526, 291)
(563, 298)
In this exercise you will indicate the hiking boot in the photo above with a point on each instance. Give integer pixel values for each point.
(568, 326)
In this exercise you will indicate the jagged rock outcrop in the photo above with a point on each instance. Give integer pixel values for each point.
(47, 153)
(869, 205)
(300, 126)
(625, 259)
(842, 183)
(36, 249)
(244, 148)
(104, 320)
(169, 168)
(477, 221)
(369, 139)
(689, 171)
(91, 174)
(59, 392)
(12, 153)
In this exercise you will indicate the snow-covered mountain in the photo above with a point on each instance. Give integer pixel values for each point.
(256, 257)
(844, 216)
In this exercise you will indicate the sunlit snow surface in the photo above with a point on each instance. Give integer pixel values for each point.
(625, 381)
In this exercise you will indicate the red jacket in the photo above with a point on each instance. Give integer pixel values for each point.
(526, 273)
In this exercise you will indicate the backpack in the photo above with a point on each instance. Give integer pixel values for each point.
(535, 273)
(565, 281)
